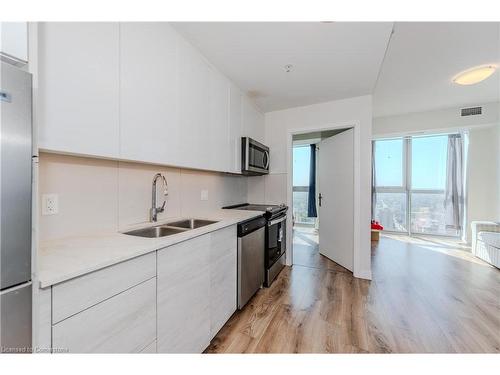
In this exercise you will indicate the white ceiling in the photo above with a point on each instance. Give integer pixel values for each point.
(340, 60)
(422, 59)
(330, 60)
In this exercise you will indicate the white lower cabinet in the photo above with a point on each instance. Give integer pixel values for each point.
(223, 264)
(151, 348)
(174, 300)
(196, 291)
(125, 323)
(183, 297)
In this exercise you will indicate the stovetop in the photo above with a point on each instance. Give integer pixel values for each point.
(268, 209)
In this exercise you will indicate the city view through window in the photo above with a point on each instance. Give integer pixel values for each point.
(410, 176)
(301, 160)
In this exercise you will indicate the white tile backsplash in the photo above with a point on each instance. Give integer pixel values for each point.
(275, 192)
(134, 183)
(256, 189)
(101, 195)
(87, 191)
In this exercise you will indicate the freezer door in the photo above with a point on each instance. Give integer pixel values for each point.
(15, 311)
(15, 177)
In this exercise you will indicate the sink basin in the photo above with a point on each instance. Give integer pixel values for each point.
(155, 232)
(191, 223)
(170, 228)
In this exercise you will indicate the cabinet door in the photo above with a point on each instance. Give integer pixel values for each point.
(183, 297)
(223, 268)
(78, 87)
(78, 294)
(149, 128)
(194, 107)
(252, 120)
(125, 323)
(219, 122)
(14, 42)
(235, 129)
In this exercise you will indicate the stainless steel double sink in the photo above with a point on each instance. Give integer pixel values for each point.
(169, 229)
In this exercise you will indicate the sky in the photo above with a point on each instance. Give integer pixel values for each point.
(428, 166)
(428, 163)
(301, 159)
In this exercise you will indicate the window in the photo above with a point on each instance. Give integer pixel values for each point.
(389, 159)
(428, 179)
(301, 160)
(410, 181)
(390, 179)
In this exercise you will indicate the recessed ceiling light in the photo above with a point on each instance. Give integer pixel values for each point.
(474, 75)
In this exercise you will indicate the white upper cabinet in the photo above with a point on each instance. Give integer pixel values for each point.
(218, 138)
(149, 118)
(235, 98)
(14, 41)
(194, 106)
(78, 105)
(252, 120)
(138, 91)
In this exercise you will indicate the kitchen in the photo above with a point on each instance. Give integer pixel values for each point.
(119, 225)
(148, 194)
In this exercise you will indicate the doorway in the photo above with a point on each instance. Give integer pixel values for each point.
(323, 199)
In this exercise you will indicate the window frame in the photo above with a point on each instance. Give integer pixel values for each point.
(407, 189)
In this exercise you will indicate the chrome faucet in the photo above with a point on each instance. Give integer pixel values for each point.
(154, 211)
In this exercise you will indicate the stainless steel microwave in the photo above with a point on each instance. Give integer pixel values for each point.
(254, 157)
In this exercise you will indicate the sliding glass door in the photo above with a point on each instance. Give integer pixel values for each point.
(410, 185)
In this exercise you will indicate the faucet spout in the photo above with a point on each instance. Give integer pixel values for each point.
(154, 211)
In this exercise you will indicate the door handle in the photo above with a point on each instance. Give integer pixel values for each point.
(320, 197)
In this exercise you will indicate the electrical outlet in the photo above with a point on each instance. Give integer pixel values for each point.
(50, 204)
(204, 195)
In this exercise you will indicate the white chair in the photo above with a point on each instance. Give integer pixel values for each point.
(486, 241)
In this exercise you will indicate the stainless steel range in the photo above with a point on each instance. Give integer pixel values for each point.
(275, 243)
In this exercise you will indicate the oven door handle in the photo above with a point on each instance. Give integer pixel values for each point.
(276, 221)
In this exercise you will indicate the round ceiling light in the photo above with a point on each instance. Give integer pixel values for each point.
(474, 75)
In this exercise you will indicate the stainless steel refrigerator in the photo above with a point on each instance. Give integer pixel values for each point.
(15, 209)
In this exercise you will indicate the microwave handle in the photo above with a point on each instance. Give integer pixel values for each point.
(266, 159)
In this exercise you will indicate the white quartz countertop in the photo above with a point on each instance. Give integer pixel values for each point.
(65, 258)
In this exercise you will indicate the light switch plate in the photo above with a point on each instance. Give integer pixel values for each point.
(204, 195)
(50, 204)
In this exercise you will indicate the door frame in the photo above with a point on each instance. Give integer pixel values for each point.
(357, 230)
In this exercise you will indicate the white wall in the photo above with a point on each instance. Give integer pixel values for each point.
(483, 189)
(483, 201)
(498, 171)
(98, 195)
(341, 113)
(438, 120)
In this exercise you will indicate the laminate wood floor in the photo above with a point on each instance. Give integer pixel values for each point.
(426, 296)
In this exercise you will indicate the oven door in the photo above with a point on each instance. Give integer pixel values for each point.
(255, 157)
(275, 240)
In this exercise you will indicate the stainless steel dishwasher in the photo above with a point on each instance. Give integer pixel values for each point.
(251, 248)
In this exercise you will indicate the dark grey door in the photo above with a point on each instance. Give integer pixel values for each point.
(15, 167)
